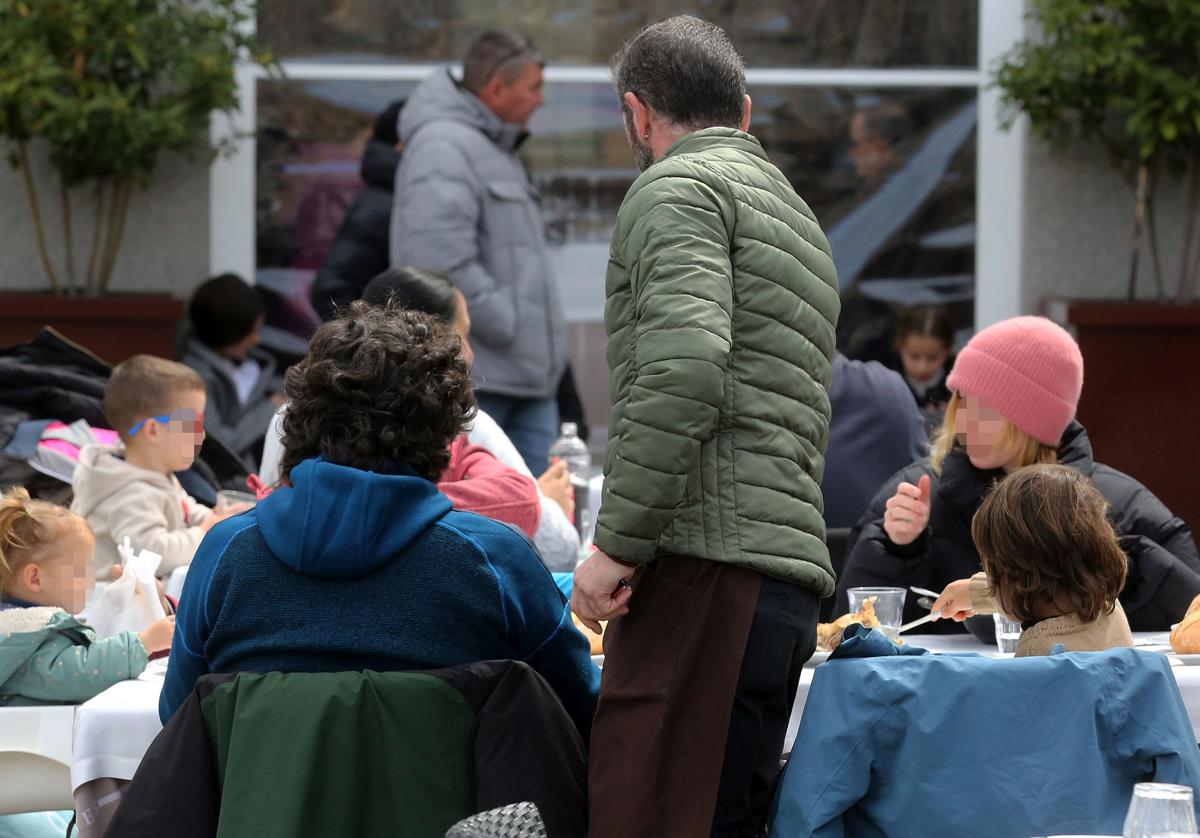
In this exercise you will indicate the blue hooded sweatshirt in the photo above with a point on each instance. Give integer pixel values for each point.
(349, 570)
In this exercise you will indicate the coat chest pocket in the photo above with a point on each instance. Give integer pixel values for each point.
(510, 214)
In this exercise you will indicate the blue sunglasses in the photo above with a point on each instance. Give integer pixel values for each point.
(185, 416)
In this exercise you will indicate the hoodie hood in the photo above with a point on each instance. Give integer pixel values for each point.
(441, 97)
(379, 164)
(336, 521)
(106, 475)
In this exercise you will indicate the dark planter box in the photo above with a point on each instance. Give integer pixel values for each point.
(113, 327)
(1141, 393)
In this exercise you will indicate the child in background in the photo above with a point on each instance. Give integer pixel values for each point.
(157, 408)
(227, 317)
(924, 338)
(1051, 561)
(46, 655)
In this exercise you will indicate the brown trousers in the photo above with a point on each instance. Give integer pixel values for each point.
(671, 670)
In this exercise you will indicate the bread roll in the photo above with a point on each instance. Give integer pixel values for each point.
(1185, 637)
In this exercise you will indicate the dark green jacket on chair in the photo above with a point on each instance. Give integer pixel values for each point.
(364, 754)
(721, 310)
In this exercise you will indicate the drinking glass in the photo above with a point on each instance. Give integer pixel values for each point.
(227, 498)
(1157, 808)
(1008, 633)
(889, 606)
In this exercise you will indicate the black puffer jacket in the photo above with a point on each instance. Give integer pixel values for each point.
(360, 251)
(1164, 567)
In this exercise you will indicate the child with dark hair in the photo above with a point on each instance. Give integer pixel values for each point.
(227, 317)
(924, 340)
(1051, 561)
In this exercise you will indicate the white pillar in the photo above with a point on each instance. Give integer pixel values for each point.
(1000, 174)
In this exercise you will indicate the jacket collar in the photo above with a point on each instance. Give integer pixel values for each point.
(710, 138)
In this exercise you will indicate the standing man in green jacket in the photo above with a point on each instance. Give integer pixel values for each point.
(721, 309)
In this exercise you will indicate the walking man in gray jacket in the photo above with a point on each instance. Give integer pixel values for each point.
(464, 206)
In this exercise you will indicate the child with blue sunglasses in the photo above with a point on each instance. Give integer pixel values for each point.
(157, 407)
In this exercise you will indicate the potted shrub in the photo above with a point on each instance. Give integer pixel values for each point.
(1123, 76)
(104, 87)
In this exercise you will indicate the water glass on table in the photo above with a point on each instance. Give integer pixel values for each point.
(889, 606)
(1008, 633)
(1158, 808)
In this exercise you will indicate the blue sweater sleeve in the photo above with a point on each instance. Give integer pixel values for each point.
(540, 626)
(187, 661)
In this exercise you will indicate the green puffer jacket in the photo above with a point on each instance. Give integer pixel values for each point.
(49, 657)
(721, 307)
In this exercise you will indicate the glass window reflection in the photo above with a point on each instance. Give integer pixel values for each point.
(771, 33)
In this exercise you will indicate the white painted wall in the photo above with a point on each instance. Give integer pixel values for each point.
(166, 241)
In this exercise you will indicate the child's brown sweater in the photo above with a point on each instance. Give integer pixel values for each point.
(1108, 631)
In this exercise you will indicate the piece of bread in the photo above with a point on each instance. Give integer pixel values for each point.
(829, 635)
(597, 640)
(1185, 637)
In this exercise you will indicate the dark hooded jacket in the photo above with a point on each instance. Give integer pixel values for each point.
(1164, 567)
(350, 570)
(360, 251)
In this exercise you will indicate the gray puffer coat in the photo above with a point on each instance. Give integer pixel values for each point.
(464, 206)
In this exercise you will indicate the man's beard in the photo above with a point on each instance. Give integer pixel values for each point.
(643, 157)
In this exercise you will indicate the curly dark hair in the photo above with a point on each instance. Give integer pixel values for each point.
(1046, 543)
(380, 386)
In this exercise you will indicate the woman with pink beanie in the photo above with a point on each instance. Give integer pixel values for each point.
(1015, 388)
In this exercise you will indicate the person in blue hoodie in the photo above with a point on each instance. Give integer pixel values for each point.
(359, 562)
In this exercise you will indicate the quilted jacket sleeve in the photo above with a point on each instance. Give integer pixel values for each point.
(68, 671)
(682, 286)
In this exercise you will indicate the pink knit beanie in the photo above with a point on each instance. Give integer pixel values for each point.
(1029, 369)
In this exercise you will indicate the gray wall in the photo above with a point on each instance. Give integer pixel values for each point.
(165, 248)
(1079, 227)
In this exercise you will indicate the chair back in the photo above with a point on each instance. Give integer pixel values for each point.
(924, 745)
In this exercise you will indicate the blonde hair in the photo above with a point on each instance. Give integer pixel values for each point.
(142, 387)
(27, 528)
(1029, 451)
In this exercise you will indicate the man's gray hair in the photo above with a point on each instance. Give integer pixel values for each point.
(686, 70)
(498, 52)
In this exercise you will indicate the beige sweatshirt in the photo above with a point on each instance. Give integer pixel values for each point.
(1108, 631)
(120, 500)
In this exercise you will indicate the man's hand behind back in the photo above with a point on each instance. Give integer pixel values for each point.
(601, 591)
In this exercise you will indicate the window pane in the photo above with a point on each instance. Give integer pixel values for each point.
(889, 173)
(770, 33)
(311, 137)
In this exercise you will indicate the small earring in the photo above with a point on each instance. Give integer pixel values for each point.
(646, 136)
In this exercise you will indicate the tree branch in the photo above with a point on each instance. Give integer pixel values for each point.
(93, 284)
(1187, 274)
(1139, 213)
(65, 197)
(31, 192)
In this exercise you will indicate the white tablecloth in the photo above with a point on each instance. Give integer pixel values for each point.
(114, 729)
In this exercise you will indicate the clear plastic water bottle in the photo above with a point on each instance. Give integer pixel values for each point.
(574, 451)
